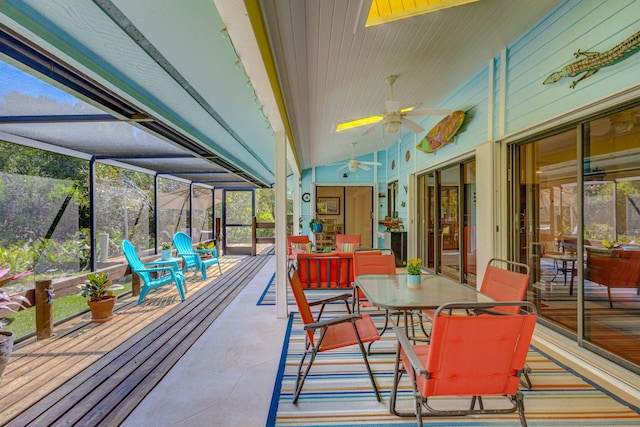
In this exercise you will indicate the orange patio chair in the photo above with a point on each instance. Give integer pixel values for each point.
(347, 242)
(505, 285)
(380, 261)
(468, 356)
(325, 270)
(330, 334)
(297, 245)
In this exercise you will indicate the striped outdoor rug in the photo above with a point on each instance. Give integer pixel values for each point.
(338, 393)
(268, 297)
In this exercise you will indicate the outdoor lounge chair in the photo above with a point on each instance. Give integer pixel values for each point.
(468, 356)
(193, 257)
(171, 268)
(335, 333)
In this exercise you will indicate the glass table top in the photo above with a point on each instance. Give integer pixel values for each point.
(391, 291)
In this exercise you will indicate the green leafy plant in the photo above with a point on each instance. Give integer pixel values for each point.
(98, 287)
(314, 220)
(8, 302)
(414, 266)
(165, 245)
(206, 245)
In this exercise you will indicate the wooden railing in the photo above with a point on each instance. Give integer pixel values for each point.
(255, 225)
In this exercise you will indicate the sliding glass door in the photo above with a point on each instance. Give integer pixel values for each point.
(577, 212)
(443, 205)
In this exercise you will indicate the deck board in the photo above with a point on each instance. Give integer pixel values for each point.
(96, 374)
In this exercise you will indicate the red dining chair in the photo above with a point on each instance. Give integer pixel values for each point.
(347, 242)
(330, 334)
(468, 356)
(297, 245)
(502, 284)
(375, 261)
(380, 261)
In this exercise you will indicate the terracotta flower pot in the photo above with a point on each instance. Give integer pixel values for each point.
(6, 346)
(102, 311)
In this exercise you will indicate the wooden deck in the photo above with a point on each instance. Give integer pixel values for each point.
(96, 374)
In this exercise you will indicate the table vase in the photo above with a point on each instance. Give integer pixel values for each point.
(413, 280)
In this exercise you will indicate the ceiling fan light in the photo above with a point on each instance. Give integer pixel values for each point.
(353, 167)
(623, 122)
(392, 127)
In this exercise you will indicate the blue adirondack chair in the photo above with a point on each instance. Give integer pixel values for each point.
(174, 275)
(192, 257)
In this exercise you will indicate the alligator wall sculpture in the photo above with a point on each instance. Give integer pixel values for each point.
(593, 61)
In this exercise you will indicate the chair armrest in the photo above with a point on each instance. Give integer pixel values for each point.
(170, 264)
(188, 254)
(341, 297)
(406, 345)
(148, 269)
(212, 251)
(334, 321)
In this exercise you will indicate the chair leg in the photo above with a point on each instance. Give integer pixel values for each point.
(380, 332)
(300, 378)
(366, 361)
(219, 268)
(143, 293)
(520, 405)
(179, 287)
(397, 374)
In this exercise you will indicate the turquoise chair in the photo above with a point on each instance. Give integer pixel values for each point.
(144, 271)
(191, 257)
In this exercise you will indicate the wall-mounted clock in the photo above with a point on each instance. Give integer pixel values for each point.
(306, 197)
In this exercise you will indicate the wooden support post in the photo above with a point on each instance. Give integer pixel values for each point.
(254, 227)
(135, 284)
(44, 311)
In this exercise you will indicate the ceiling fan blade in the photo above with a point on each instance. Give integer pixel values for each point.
(428, 112)
(342, 167)
(363, 167)
(371, 163)
(413, 127)
(357, 123)
(392, 106)
(370, 129)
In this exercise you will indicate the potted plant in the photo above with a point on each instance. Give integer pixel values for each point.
(166, 250)
(206, 249)
(316, 225)
(10, 303)
(414, 266)
(98, 288)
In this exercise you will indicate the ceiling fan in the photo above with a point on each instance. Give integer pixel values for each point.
(392, 118)
(354, 164)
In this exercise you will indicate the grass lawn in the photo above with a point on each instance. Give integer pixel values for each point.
(24, 322)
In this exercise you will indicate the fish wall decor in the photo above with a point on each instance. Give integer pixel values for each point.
(442, 133)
